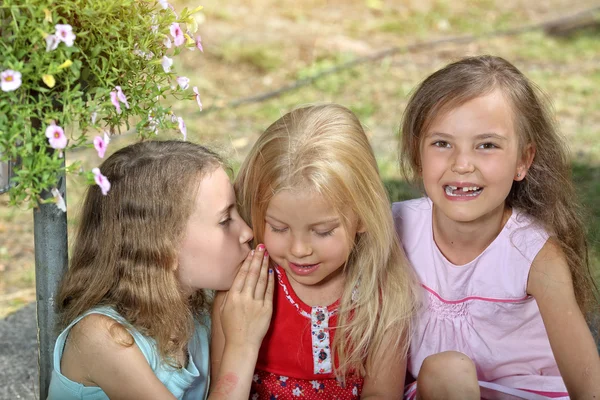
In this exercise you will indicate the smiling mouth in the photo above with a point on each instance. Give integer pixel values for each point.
(304, 266)
(468, 191)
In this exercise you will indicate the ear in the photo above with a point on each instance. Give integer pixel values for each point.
(525, 162)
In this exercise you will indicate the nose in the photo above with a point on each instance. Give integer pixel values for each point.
(300, 247)
(462, 163)
(246, 233)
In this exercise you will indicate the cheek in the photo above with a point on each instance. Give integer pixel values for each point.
(334, 248)
(500, 170)
(432, 164)
(270, 241)
(275, 243)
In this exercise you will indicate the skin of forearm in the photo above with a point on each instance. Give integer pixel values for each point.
(235, 375)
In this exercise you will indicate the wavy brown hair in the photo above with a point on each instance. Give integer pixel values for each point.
(324, 148)
(547, 192)
(127, 243)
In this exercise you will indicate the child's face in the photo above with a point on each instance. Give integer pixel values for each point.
(305, 236)
(470, 158)
(216, 239)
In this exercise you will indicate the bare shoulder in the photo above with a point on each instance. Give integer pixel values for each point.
(96, 338)
(549, 270)
(98, 330)
(101, 352)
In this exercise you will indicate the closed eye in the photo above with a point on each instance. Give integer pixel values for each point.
(325, 234)
(225, 222)
(277, 230)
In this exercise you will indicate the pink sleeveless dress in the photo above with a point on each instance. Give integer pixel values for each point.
(481, 308)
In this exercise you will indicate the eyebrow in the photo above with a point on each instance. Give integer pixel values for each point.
(491, 135)
(324, 222)
(483, 136)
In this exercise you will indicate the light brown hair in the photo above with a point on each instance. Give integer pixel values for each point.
(127, 243)
(324, 148)
(547, 192)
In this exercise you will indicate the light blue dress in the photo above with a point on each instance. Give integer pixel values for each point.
(185, 383)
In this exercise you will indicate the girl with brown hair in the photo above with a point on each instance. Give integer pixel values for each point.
(498, 242)
(135, 323)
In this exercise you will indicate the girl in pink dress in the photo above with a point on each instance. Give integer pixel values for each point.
(344, 294)
(498, 243)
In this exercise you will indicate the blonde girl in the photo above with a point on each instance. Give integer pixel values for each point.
(134, 312)
(498, 242)
(344, 295)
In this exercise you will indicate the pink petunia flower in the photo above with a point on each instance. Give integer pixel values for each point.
(60, 201)
(182, 127)
(121, 96)
(100, 145)
(167, 63)
(183, 82)
(177, 34)
(197, 96)
(115, 101)
(52, 42)
(56, 136)
(65, 34)
(101, 181)
(11, 80)
(199, 43)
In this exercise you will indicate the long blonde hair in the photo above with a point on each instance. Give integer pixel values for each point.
(547, 192)
(127, 243)
(324, 148)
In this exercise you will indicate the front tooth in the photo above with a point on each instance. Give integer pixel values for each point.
(465, 189)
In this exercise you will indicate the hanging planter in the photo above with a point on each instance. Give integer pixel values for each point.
(75, 66)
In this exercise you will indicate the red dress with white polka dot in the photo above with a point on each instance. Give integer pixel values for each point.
(295, 359)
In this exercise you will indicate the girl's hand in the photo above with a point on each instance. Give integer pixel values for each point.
(241, 318)
(247, 308)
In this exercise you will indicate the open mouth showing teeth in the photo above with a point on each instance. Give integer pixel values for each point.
(469, 191)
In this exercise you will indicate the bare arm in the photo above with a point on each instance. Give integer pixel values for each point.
(241, 319)
(217, 339)
(386, 379)
(572, 343)
(94, 357)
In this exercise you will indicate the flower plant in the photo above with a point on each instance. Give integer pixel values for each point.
(72, 67)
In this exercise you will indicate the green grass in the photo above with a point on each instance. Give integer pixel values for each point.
(442, 17)
(265, 58)
(587, 180)
(333, 83)
(536, 45)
